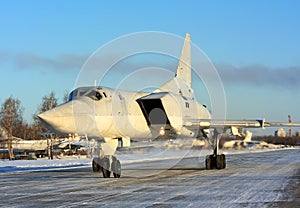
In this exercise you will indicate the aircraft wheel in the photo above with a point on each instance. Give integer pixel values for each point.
(105, 170)
(96, 164)
(210, 162)
(116, 168)
(221, 161)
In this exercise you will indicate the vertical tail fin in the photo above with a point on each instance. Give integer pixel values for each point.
(181, 83)
(184, 65)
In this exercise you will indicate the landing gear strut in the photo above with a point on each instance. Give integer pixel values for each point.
(106, 165)
(215, 161)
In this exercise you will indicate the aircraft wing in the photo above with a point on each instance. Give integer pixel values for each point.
(208, 123)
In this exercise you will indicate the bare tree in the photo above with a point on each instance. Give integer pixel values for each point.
(66, 97)
(48, 102)
(10, 117)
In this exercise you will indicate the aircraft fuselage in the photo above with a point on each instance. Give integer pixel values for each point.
(108, 113)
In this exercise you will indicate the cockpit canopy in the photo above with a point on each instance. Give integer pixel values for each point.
(95, 93)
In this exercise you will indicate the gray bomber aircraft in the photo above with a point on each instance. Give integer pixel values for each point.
(116, 117)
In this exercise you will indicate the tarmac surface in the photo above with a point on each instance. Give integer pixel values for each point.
(264, 179)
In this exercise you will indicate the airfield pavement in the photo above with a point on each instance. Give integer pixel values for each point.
(262, 179)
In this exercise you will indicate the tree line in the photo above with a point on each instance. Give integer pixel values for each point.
(12, 123)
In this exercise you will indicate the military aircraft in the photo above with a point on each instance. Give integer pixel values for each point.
(116, 117)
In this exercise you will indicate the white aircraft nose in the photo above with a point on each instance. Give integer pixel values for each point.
(59, 119)
(73, 117)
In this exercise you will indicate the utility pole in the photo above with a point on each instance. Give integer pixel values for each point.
(49, 144)
(70, 139)
(289, 130)
(51, 147)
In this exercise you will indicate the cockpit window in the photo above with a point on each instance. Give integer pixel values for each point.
(71, 96)
(95, 95)
(98, 96)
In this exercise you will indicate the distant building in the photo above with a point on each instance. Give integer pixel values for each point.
(280, 133)
(4, 154)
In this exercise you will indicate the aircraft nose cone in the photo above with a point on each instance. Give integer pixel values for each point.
(43, 117)
(73, 117)
(47, 118)
(59, 119)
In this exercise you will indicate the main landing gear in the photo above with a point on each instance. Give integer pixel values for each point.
(107, 165)
(215, 161)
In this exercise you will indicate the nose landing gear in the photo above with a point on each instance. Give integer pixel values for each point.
(107, 165)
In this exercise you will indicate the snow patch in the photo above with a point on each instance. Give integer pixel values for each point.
(41, 164)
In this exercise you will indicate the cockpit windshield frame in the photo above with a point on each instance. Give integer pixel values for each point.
(93, 93)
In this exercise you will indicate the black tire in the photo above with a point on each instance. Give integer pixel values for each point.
(116, 168)
(105, 170)
(96, 164)
(221, 161)
(208, 162)
(224, 161)
(211, 162)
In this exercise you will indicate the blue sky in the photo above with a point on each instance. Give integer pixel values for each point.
(254, 45)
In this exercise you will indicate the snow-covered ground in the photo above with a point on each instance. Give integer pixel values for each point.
(268, 178)
(156, 154)
(41, 164)
(159, 154)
